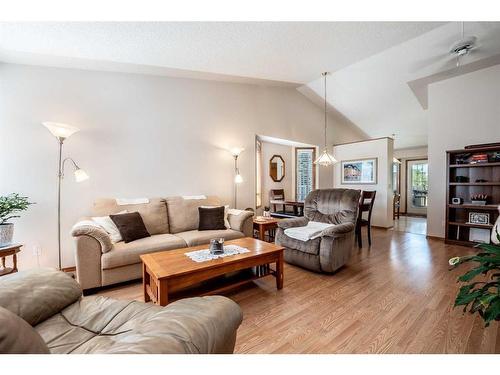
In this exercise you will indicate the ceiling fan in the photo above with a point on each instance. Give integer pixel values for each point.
(458, 50)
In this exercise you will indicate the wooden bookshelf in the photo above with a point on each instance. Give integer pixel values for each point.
(458, 228)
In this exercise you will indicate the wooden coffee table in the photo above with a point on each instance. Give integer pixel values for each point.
(170, 275)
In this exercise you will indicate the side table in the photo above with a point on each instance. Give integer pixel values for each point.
(6, 251)
(263, 225)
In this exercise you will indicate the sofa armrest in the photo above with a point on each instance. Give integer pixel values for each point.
(291, 223)
(90, 228)
(241, 221)
(338, 230)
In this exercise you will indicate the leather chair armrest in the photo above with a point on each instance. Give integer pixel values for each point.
(90, 228)
(338, 230)
(295, 222)
(242, 221)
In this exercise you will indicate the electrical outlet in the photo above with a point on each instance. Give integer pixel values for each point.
(37, 250)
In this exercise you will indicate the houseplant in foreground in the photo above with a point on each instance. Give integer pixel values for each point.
(10, 205)
(483, 296)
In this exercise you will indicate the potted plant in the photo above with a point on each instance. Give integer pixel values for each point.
(482, 297)
(10, 205)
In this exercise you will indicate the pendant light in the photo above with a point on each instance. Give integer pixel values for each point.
(325, 159)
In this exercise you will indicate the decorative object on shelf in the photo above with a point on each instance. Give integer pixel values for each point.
(481, 180)
(217, 246)
(461, 179)
(238, 179)
(479, 158)
(462, 158)
(325, 159)
(62, 132)
(277, 168)
(479, 297)
(363, 171)
(495, 157)
(479, 218)
(479, 199)
(479, 235)
(10, 206)
(495, 238)
(457, 201)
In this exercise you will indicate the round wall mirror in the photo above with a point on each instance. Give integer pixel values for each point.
(277, 168)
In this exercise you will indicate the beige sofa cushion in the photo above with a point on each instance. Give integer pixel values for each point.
(124, 254)
(154, 213)
(183, 213)
(196, 237)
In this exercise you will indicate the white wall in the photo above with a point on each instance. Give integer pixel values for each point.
(403, 155)
(140, 136)
(286, 152)
(382, 149)
(463, 110)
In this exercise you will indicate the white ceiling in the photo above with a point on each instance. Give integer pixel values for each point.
(281, 51)
(373, 63)
(375, 93)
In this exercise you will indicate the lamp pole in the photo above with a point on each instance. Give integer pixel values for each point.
(59, 179)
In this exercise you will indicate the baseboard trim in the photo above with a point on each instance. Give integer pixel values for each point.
(434, 238)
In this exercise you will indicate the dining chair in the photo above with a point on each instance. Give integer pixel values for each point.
(365, 205)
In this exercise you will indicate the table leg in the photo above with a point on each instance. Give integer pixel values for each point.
(279, 271)
(262, 233)
(145, 283)
(14, 260)
(162, 293)
(3, 262)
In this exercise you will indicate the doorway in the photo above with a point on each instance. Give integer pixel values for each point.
(417, 186)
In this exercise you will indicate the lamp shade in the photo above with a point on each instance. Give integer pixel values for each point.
(60, 130)
(238, 179)
(236, 151)
(325, 159)
(80, 175)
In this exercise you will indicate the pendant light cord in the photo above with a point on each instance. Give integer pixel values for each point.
(325, 74)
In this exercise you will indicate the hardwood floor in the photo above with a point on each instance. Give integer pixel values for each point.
(396, 297)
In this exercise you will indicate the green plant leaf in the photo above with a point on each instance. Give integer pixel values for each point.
(473, 273)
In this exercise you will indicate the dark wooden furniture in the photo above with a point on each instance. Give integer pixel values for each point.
(277, 199)
(365, 205)
(464, 179)
(396, 206)
(265, 224)
(6, 251)
(170, 275)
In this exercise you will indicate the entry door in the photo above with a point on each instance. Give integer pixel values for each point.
(417, 186)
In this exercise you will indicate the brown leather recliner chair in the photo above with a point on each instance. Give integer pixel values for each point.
(333, 248)
(42, 311)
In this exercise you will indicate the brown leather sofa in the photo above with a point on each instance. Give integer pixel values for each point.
(172, 223)
(43, 311)
(333, 248)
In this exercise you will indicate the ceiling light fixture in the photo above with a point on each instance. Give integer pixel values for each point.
(325, 159)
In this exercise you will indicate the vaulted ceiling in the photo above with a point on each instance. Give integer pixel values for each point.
(372, 63)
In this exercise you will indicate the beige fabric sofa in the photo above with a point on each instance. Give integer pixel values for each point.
(172, 223)
(43, 311)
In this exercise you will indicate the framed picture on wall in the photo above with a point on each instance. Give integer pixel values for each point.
(362, 171)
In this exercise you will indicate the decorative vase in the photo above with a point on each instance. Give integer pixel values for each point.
(6, 234)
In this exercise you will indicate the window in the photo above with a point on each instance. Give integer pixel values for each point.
(305, 176)
(258, 173)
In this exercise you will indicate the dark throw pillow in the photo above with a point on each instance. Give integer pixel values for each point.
(211, 218)
(130, 226)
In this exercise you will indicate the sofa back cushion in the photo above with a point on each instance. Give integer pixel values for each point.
(334, 206)
(37, 294)
(154, 213)
(183, 213)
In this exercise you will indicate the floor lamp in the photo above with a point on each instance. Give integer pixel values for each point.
(237, 176)
(62, 132)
